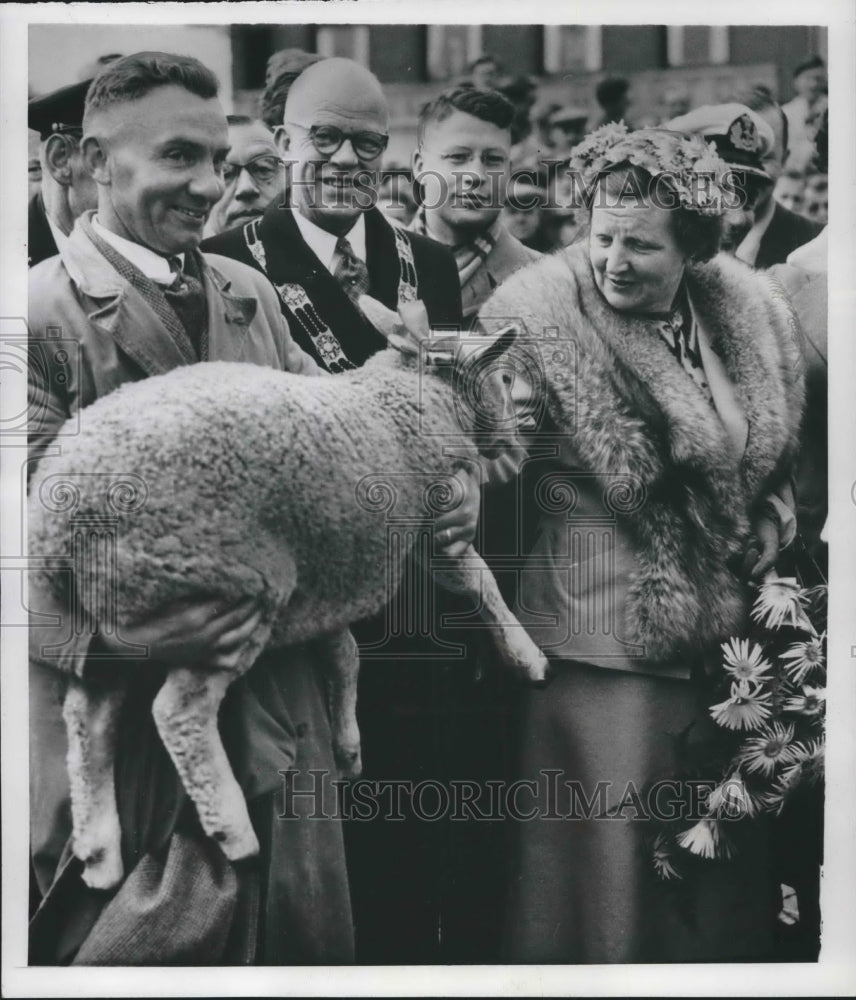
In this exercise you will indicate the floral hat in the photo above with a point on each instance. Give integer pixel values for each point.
(688, 166)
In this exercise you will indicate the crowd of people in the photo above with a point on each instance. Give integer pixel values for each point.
(163, 232)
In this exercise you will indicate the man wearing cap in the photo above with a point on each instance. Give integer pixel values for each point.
(778, 230)
(135, 298)
(330, 243)
(67, 190)
(760, 231)
(462, 165)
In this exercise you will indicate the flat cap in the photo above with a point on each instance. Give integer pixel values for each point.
(58, 111)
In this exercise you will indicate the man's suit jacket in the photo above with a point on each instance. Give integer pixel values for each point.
(290, 260)
(181, 902)
(786, 232)
(40, 240)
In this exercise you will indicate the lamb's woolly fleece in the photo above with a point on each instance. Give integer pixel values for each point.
(253, 478)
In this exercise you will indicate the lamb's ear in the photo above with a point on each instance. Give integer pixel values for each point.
(384, 320)
(414, 315)
(487, 349)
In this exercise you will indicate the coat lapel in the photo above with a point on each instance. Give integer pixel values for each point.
(736, 321)
(290, 260)
(382, 259)
(117, 308)
(229, 317)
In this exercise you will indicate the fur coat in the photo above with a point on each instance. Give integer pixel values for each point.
(628, 408)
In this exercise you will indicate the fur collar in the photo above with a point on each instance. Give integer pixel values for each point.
(627, 409)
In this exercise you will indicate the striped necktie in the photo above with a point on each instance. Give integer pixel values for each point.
(351, 272)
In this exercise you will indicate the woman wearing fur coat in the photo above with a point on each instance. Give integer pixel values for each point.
(664, 419)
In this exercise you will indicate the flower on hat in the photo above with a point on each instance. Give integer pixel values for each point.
(689, 166)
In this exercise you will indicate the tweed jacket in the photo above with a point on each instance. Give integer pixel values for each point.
(181, 902)
(90, 331)
(649, 491)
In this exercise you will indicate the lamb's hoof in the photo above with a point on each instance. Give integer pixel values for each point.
(547, 679)
(349, 762)
(102, 867)
(237, 845)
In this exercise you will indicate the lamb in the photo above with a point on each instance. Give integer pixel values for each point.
(251, 477)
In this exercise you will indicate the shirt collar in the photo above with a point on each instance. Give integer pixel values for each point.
(59, 236)
(323, 244)
(153, 265)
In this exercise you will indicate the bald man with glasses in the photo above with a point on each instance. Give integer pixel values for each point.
(328, 242)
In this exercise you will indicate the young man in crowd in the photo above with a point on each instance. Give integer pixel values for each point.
(253, 175)
(463, 165)
(137, 298)
(66, 190)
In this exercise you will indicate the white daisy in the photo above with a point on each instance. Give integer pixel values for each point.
(747, 708)
(780, 602)
(731, 799)
(810, 757)
(803, 658)
(701, 839)
(774, 746)
(810, 702)
(745, 661)
(662, 857)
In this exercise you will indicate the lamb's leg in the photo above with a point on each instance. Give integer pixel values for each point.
(90, 717)
(472, 576)
(339, 659)
(185, 712)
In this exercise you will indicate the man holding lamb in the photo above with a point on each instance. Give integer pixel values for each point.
(136, 297)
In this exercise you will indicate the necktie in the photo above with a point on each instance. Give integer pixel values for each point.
(685, 350)
(187, 298)
(351, 272)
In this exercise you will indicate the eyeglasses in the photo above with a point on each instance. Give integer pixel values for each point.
(327, 140)
(262, 169)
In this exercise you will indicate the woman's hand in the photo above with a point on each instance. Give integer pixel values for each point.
(208, 633)
(763, 549)
(455, 529)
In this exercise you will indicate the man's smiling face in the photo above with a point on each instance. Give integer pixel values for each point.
(163, 168)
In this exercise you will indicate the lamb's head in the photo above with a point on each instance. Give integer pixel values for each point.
(478, 369)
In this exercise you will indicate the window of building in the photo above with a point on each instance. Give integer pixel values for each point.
(697, 45)
(451, 48)
(572, 47)
(348, 40)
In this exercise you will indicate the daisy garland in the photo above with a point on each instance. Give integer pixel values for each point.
(769, 716)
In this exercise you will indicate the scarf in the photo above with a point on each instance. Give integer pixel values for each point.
(468, 256)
